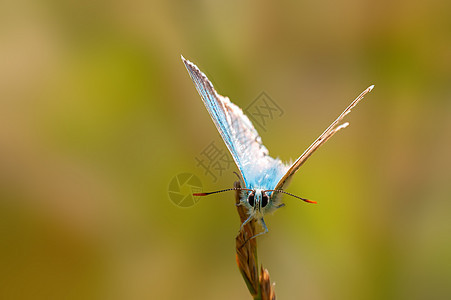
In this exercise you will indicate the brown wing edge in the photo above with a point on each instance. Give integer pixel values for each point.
(327, 134)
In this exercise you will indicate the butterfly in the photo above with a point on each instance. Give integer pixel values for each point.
(264, 178)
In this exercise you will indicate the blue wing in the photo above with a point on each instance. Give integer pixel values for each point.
(257, 168)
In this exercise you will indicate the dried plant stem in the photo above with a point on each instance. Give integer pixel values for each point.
(258, 283)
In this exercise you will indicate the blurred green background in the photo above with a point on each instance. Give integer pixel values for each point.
(98, 114)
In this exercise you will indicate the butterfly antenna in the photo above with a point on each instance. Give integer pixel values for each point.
(226, 190)
(283, 192)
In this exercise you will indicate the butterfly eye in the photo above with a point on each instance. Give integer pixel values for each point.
(264, 200)
(251, 199)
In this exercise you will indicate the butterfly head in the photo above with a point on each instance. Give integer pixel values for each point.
(258, 199)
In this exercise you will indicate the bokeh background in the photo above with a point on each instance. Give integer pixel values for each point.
(98, 115)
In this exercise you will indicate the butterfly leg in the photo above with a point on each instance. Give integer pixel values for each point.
(245, 222)
(263, 232)
(258, 234)
(280, 205)
(240, 203)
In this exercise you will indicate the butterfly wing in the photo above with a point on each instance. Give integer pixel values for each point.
(238, 133)
(327, 134)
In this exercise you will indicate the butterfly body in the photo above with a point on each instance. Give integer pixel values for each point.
(262, 177)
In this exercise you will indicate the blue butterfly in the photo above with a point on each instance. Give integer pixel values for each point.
(264, 178)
